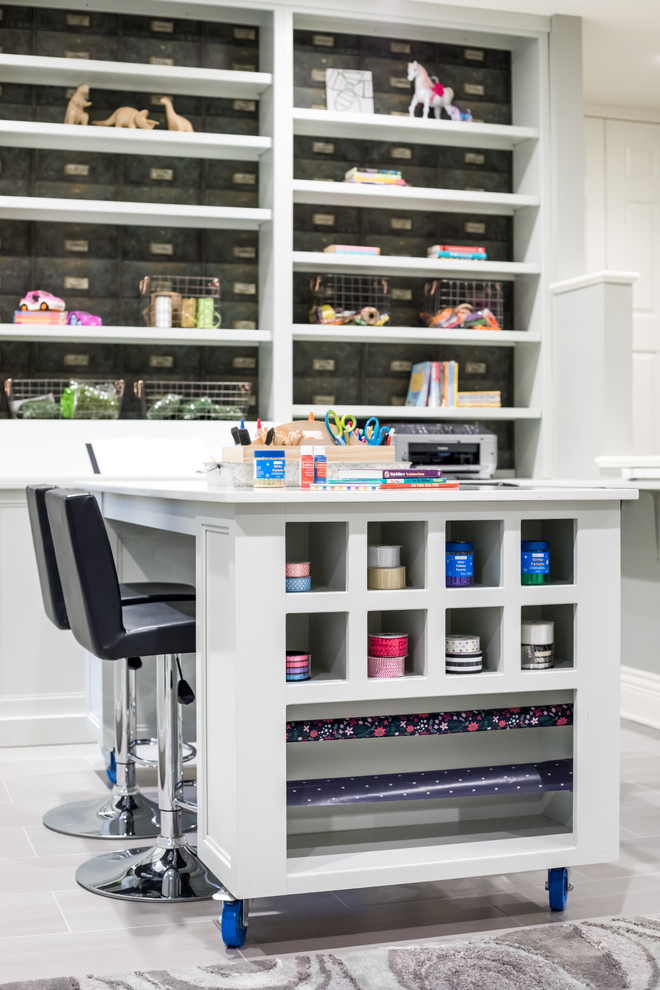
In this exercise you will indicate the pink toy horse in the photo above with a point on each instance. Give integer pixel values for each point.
(430, 92)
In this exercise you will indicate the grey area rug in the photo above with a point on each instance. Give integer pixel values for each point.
(592, 955)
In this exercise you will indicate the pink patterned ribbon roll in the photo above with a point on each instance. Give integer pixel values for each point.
(298, 569)
(386, 666)
(388, 645)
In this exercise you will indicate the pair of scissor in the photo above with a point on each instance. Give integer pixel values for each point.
(343, 425)
(374, 433)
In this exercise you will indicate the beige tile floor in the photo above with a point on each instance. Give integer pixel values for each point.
(50, 927)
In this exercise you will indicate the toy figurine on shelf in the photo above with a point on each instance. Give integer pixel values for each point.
(75, 110)
(175, 121)
(430, 92)
(127, 117)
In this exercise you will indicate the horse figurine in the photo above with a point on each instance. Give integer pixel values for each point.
(430, 92)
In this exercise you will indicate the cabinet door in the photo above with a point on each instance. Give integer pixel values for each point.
(632, 168)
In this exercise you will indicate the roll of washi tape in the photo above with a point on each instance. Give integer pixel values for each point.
(298, 677)
(386, 578)
(298, 583)
(462, 643)
(297, 656)
(383, 556)
(388, 645)
(297, 569)
(465, 663)
(386, 666)
(296, 665)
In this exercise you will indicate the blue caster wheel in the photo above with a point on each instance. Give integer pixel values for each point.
(558, 888)
(232, 926)
(111, 768)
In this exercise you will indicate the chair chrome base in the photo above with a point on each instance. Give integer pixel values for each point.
(121, 816)
(171, 872)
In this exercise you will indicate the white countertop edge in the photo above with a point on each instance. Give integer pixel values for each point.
(195, 491)
(594, 278)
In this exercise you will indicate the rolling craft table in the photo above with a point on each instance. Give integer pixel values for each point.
(346, 781)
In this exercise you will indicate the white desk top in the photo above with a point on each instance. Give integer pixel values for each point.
(198, 491)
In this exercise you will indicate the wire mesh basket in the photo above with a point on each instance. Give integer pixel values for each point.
(187, 301)
(358, 300)
(459, 302)
(193, 400)
(64, 398)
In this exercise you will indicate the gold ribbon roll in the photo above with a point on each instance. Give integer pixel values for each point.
(386, 578)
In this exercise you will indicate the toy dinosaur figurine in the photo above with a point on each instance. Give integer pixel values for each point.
(175, 121)
(127, 117)
(75, 110)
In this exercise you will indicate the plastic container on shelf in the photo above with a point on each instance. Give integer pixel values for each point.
(534, 562)
(459, 563)
(269, 472)
(64, 398)
(537, 644)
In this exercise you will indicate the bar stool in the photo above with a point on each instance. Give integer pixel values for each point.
(127, 812)
(170, 870)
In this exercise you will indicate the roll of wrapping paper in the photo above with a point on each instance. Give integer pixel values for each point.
(386, 666)
(462, 643)
(298, 584)
(386, 578)
(383, 556)
(388, 645)
(297, 569)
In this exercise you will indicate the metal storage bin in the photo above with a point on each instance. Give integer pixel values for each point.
(192, 400)
(362, 300)
(448, 293)
(176, 301)
(42, 397)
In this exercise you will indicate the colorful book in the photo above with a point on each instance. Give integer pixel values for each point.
(47, 317)
(413, 473)
(416, 485)
(418, 388)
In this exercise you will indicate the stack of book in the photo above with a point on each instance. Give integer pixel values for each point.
(49, 317)
(491, 399)
(433, 383)
(351, 249)
(457, 252)
(375, 176)
(404, 479)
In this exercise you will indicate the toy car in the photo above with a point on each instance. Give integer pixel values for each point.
(81, 318)
(38, 299)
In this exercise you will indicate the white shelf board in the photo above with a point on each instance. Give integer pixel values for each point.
(318, 261)
(408, 198)
(131, 141)
(416, 130)
(395, 413)
(45, 70)
(412, 335)
(140, 214)
(130, 335)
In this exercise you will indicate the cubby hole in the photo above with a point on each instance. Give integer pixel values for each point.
(486, 535)
(486, 623)
(323, 635)
(323, 544)
(410, 536)
(563, 617)
(502, 811)
(412, 622)
(560, 536)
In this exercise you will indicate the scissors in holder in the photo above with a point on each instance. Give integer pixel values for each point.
(343, 426)
(374, 433)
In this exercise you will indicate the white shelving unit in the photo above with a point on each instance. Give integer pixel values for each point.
(542, 252)
(131, 335)
(425, 412)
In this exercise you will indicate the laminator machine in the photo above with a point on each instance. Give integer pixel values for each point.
(462, 450)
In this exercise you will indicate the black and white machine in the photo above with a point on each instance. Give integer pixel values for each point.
(462, 450)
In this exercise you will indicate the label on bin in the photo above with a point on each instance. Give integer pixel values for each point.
(270, 467)
(460, 565)
(535, 562)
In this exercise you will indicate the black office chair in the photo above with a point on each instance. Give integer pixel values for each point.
(127, 813)
(170, 870)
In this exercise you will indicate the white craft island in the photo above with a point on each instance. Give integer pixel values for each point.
(493, 725)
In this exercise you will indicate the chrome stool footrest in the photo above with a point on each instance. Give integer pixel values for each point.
(181, 802)
(189, 752)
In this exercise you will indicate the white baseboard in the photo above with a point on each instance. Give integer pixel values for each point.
(43, 730)
(640, 696)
